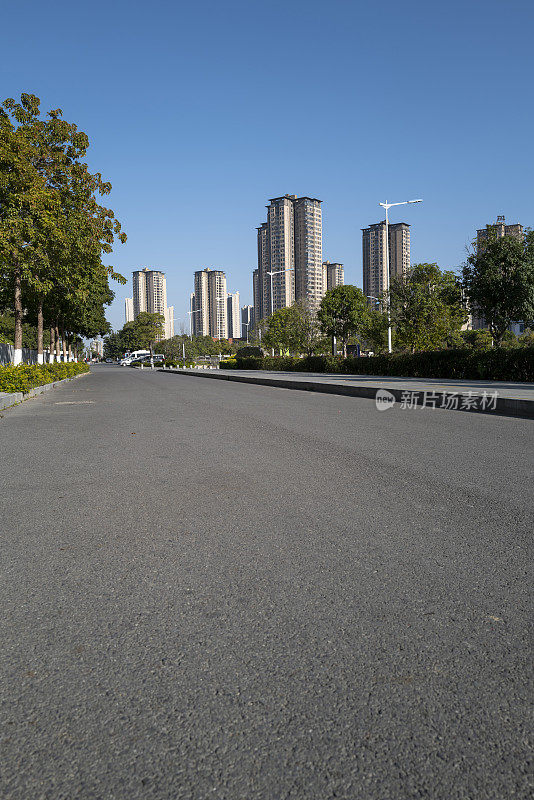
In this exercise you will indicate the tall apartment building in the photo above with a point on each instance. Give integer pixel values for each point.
(209, 304)
(333, 275)
(374, 255)
(498, 229)
(233, 314)
(247, 320)
(257, 296)
(128, 309)
(289, 246)
(150, 295)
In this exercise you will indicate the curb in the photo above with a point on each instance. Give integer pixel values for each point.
(10, 399)
(505, 406)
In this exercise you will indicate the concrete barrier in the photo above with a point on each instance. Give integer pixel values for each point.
(505, 406)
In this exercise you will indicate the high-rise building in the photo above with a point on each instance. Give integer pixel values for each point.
(333, 275)
(150, 295)
(257, 298)
(498, 229)
(289, 247)
(210, 317)
(128, 309)
(233, 315)
(247, 320)
(374, 255)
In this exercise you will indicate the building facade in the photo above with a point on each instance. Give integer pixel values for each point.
(374, 256)
(150, 296)
(233, 314)
(128, 310)
(209, 309)
(333, 275)
(289, 255)
(498, 229)
(247, 320)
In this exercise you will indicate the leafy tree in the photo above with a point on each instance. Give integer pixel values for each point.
(146, 330)
(374, 331)
(499, 281)
(53, 231)
(426, 307)
(477, 340)
(284, 330)
(343, 313)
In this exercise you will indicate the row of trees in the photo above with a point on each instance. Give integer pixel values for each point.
(53, 230)
(427, 309)
(145, 333)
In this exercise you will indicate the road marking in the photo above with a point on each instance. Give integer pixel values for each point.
(72, 402)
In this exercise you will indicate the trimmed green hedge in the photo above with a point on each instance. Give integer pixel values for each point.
(26, 377)
(515, 364)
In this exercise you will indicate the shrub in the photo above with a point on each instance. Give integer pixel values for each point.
(249, 351)
(26, 377)
(499, 364)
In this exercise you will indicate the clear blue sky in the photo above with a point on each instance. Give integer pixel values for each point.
(198, 112)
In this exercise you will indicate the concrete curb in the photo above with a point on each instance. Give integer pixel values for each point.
(505, 406)
(9, 399)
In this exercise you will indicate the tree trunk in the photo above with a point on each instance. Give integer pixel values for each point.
(69, 339)
(58, 357)
(40, 354)
(18, 319)
(63, 344)
(52, 343)
(344, 348)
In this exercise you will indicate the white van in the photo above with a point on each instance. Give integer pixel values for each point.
(127, 360)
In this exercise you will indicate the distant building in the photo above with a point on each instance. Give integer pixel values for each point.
(128, 310)
(374, 255)
(209, 304)
(498, 229)
(247, 320)
(290, 247)
(333, 275)
(233, 316)
(150, 295)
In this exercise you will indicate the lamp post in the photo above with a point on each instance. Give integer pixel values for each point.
(386, 206)
(246, 325)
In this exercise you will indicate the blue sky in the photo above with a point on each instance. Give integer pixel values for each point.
(199, 112)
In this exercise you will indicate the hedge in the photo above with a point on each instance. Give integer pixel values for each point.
(515, 364)
(26, 377)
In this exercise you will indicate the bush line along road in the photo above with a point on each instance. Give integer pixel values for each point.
(206, 596)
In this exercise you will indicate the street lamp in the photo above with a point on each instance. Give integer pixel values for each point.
(386, 206)
(246, 325)
(277, 272)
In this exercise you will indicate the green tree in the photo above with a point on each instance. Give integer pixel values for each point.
(374, 331)
(499, 281)
(284, 330)
(426, 308)
(343, 313)
(53, 232)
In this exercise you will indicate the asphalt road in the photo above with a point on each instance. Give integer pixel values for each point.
(217, 590)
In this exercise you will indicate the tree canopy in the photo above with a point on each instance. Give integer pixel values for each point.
(426, 307)
(344, 313)
(53, 231)
(499, 282)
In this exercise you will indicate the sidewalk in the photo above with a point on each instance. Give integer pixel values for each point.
(487, 397)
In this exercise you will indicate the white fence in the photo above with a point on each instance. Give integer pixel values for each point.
(7, 355)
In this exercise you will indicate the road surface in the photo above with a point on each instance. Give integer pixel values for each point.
(219, 590)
